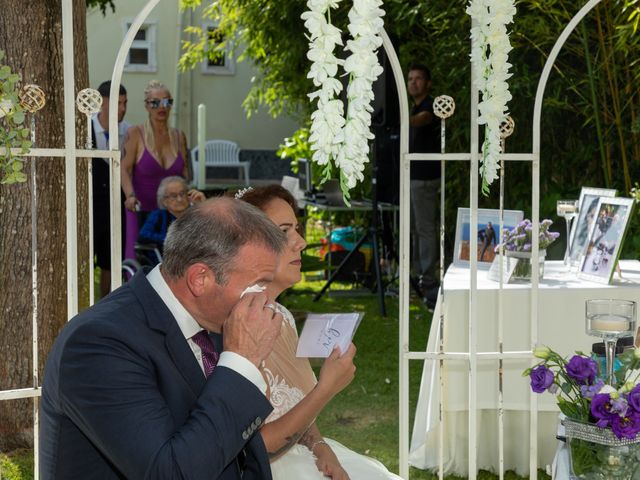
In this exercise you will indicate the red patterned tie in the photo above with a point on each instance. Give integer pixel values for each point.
(209, 354)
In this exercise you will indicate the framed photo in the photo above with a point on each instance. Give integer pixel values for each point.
(605, 239)
(587, 205)
(488, 234)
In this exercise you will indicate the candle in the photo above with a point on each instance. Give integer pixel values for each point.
(564, 208)
(610, 323)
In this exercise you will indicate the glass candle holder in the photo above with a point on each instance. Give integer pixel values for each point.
(610, 319)
(568, 209)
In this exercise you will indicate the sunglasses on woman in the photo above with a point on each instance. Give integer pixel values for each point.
(157, 103)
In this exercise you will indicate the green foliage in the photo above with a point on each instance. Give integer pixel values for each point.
(272, 37)
(17, 466)
(296, 147)
(102, 4)
(590, 129)
(13, 133)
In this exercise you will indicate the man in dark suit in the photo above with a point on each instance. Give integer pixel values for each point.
(135, 388)
(101, 181)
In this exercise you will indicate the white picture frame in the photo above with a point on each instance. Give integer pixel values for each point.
(581, 227)
(606, 238)
(485, 215)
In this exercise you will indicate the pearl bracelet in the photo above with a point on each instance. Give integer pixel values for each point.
(319, 442)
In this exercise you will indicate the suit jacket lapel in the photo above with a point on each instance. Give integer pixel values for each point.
(160, 319)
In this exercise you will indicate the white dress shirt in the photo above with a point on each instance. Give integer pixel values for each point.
(101, 139)
(189, 327)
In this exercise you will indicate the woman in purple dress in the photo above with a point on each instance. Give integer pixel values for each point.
(153, 151)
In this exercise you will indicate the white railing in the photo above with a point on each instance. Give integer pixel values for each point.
(71, 155)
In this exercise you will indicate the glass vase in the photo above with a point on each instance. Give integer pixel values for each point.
(523, 264)
(597, 454)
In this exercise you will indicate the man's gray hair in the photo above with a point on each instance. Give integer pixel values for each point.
(213, 232)
(163, 187)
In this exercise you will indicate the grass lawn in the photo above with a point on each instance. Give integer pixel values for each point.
(364, 416)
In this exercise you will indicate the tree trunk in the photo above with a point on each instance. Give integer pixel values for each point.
(31, 36)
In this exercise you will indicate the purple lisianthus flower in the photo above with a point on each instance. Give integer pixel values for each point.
(588, 391)
(620, 406)
(601, 409)
(627, 426)
(633, 398)
(582, 369)
(541, 378)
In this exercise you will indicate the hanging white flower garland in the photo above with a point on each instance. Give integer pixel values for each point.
(332, 137)
(490, 49)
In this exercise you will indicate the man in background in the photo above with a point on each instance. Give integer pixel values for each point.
(100, 173)
(488, 239)
(424, 128)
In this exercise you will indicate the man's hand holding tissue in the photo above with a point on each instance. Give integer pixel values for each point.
(253, 326)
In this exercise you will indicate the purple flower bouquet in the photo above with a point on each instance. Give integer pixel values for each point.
(603, 420)
(517, 245)
(520, 238)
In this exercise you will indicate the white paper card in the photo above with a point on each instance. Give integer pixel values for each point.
(508, 266)
(322, 331)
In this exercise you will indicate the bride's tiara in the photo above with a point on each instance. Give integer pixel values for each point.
(240, 193)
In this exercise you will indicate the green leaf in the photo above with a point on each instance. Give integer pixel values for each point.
(18, 117)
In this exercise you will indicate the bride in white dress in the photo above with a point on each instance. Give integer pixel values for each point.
(296, 448)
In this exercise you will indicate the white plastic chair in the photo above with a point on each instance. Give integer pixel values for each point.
(220, 153)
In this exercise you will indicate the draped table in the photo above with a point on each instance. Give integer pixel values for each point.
(561, 307)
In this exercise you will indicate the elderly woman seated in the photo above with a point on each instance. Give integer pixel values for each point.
(174, 197)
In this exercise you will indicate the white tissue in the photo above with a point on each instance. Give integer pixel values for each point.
(253, 289)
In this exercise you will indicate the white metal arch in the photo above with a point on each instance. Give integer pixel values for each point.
(71, 154)
(472, 356)
(116, 79)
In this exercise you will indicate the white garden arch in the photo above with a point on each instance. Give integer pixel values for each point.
(71, 154)
(473, 356)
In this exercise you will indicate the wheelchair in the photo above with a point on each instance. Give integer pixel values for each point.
(147, 255)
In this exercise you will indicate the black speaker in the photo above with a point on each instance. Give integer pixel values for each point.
(386, 109)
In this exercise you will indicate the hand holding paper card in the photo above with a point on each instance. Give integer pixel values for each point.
(322, 331)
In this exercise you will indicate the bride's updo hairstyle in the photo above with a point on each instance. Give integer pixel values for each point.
(261, 196)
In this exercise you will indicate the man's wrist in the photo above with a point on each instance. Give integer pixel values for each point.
(244, 367)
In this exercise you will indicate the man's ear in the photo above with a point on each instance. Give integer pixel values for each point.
(200, 279)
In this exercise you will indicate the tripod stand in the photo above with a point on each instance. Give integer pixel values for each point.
(372, 235)
(384, 142)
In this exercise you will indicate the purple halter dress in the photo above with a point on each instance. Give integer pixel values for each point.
(146, 177)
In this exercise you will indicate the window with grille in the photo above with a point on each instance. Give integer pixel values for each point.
(218, 62)
(142, 54)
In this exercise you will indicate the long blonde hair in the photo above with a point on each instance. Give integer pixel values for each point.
(149, 135)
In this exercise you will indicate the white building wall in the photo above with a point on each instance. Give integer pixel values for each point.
(223, 94)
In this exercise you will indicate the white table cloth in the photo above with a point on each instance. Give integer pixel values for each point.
(561, 326)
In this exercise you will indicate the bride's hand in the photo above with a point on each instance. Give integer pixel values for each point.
(328, 463)
(337, 371)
